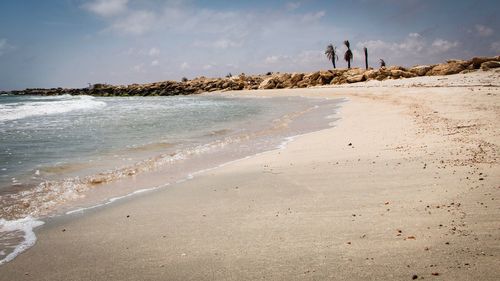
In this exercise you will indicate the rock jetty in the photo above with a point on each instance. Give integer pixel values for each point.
(274, 81)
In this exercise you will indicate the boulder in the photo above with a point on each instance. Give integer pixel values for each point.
(296, 78)
(312, 76)
(280, 78)
(355, 78)
(396, 67)
(446, 69)
(371, 74)
(477, 61)
(421, 70)
(338, 72)
(325, 77)
(268, 83)
(396, 73)
(338, 80)
(302, 84)
(490, 64)
(353, 71)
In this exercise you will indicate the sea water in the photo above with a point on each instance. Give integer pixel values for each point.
(64, 154)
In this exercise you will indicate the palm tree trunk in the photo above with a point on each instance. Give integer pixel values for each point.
(366, 59)
(349, 64)
(333, 62)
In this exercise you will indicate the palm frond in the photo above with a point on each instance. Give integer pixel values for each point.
(330, 51)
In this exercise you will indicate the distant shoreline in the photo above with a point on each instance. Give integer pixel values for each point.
(271, 80)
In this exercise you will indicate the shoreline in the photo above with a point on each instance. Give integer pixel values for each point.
(298, 225)
(26, 224)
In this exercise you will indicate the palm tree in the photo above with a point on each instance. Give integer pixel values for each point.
(366, 57)
(382, 63)
(348, 54)
(331, 54)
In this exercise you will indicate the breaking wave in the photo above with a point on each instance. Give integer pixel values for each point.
(47, 106)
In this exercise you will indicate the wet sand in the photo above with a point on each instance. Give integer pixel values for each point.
(405, 185)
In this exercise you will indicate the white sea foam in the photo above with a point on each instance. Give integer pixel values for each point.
(14, 227)
(58, 105)
(114, 199)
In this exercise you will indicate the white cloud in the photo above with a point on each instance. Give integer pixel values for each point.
(5, 46)
(311, 17)
(222, 43)
(138, 68)
(225, 43)
(106, 8)
(135, 23)
(184, 65)
(290, 6)
(303, 58)
(495, 47)
(414, 42)
(153, 52)
(414, 48)
(155, 63)
(272, 59)
(483, 31)
(440, 45)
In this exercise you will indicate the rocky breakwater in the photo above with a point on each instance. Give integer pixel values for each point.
(275, 81)
(354, 75)
(164, 88)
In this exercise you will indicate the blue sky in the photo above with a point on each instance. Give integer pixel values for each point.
(70, 43)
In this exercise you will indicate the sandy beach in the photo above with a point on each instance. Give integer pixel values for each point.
(405, 186)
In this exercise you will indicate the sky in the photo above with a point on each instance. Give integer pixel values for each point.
(70, 43)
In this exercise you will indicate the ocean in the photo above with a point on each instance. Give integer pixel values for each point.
(65, 154)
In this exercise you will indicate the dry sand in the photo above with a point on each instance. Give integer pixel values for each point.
(407, 183)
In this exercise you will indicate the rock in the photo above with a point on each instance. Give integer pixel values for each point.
(396, 67)
(399, 73)
(353, 71)
(268, 83)
(338, 72)
(464, 63)
(280, 78)
(312, 76)
(490, 64)
(338, 80)
(396, 73)
(302, 84)
(296, 78)
(446, 69)
(477, 61)
(325, 77)
(355, 78)
(421, 70)
(371, 74)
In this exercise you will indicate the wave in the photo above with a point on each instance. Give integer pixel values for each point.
(47, 106)
(13, 231)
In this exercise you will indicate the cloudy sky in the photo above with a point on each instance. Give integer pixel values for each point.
(70, 43)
